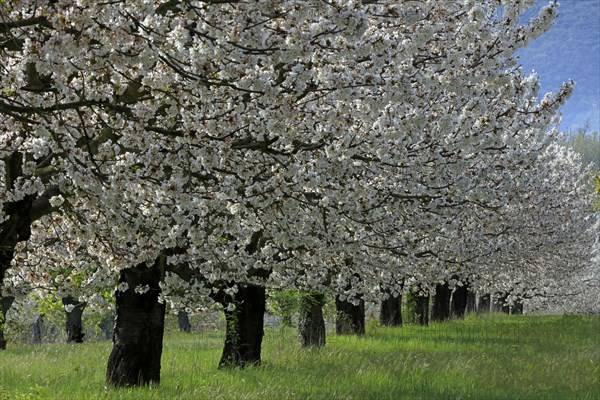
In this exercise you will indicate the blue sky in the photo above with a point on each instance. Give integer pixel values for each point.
(570, 50)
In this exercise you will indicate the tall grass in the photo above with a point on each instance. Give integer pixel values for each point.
(496, 357)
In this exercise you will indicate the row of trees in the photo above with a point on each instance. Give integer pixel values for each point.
(203, 151)
(45, 319)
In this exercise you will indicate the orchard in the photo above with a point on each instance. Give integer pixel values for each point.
(202, 152)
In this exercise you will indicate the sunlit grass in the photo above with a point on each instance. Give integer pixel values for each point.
(496, 357)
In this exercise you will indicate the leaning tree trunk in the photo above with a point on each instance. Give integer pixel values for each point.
(440, 310)
(311, 324)
(74, 322)
(139, 328)
(350, 318)
(390, 313)
(183, 321)
(484, 304)
(459, 301)
(244, 327)
(5, 304)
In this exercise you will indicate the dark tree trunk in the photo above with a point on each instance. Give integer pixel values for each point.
(390, 313)
(421, 308)
(517, 307)
(440, 310)
(350, 319)
(459, 301)
(13, 230)
(17, 227)
(183, 320)
(6, 255)
(498, 305)
(5, 304)
(74, 322)
(311, 324)
(107, 326)
(36, 327)
(505, 308)
(139, 328)
(244, 329)
(484, 304)
(471, 300)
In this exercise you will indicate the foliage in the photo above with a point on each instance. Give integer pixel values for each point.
(587, 145)
(497, 357)
(357, 139)
(284, 304)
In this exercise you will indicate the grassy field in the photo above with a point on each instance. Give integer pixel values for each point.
(492, 358)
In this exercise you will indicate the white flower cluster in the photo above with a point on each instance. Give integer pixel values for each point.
(351, 145)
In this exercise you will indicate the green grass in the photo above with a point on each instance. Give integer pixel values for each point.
(492, 358)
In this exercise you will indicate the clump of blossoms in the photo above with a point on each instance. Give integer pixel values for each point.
(344, 138)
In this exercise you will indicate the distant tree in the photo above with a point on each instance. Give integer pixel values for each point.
(587, 145)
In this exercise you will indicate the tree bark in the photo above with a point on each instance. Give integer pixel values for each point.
(311, 324)
(183, 321)
(517, 307)
(484, 304)
(13, 230)
(505, 308)
(471, 301)
(139, 328)
(390, 313)
(421, 308)
(5, 304)
(441, 303)
(498, 304)
(6, 256)
(459, 301)
(244, 327)
(74, 323)
(350, 319)
(107, 326)
(36, 327)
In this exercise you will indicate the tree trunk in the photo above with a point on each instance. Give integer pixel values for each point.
(441, 303)
(505, 308)
(421, 308)
(36, 327)
(311, 324)
(74, 322)
(6, 255)
(459, 301)
(498, 304)
(244, 329)
(107, 326)
(350, 319)
(471, 300)
(517, 307)
(390, 313)
(139, 328)
(183, 320)
(13, 230)
(484, 304)
(5, 304)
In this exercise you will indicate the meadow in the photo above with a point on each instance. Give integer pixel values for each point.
(492, 357)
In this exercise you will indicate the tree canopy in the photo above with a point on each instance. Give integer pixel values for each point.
(303, 144)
